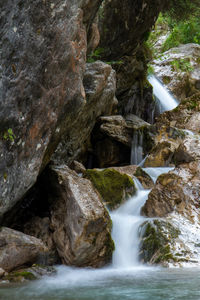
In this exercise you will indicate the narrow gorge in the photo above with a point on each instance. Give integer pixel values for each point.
(99, 151)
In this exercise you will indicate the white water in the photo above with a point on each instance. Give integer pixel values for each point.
(165, 100)
(126, 221)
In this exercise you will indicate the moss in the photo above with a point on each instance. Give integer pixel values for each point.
(157, 237)
(113, 186)
(19, 276)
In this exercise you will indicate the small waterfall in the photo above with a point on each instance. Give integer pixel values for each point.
(165, 101)
(126, 221)
(137, 148)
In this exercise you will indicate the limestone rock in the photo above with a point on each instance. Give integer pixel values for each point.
(18, 249)
(114, 185)
(176, 191)
(174, 240)
(80, 223)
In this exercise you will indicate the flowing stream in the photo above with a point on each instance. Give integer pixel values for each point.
(126, 277)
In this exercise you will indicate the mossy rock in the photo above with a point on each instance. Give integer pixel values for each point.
(113, 186)
(20, 276)
(157, 239)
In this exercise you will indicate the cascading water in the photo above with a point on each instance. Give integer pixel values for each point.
(165, 101)
(137, 148)
(126, 221)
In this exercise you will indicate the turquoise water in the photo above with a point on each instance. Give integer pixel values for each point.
(113, 284)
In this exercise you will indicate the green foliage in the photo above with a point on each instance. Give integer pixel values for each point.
(182, 33)
(95, 55)
(150, 69)
(9, 135)
(182, 65)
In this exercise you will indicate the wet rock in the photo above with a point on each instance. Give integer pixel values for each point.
(138, 172)
(114, 185)
(113, 139)
(166, 141)
(27, 274)
(18, 249)
(80, 223)
(144, 178)
(157, 238)
(176, 191)
(160, 156)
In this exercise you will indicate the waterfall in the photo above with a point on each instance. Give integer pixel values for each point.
(137, 148)
(164, 100)
(126, 221)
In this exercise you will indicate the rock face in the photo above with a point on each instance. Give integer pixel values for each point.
(122, 23)
(99, 83)
(18, 249)
(175, 198)
(80, 223)
(113, 185)
(44, 48)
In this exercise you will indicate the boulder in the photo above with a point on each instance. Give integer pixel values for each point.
(157, 237)
(80, 223)
(18, 249)
(174, 239)
(113, 185)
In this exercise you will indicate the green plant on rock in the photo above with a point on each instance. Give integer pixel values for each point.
(182, 65)
(9, 135)
(95, 55)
